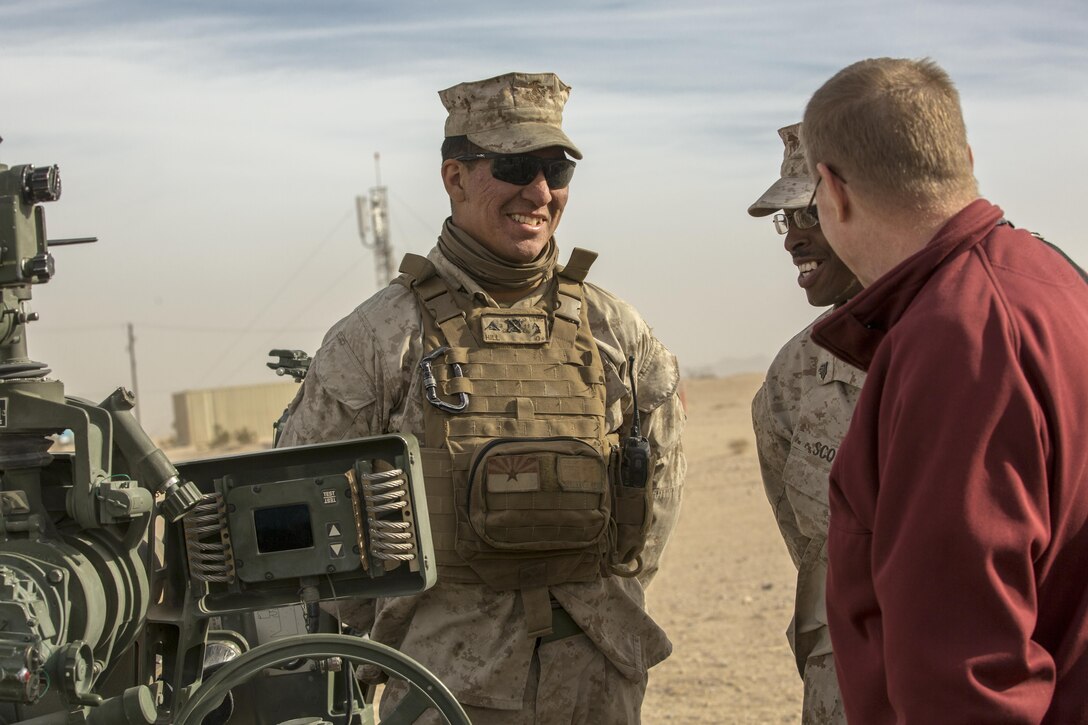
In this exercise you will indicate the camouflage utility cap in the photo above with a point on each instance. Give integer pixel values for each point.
(509, 114)
(794, 188)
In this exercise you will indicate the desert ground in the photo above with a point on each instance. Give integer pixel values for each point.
(724, 592)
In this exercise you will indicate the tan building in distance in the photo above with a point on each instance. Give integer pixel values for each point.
(243, 414)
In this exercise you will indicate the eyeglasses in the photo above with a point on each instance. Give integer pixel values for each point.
(520, 170)
(805, 218)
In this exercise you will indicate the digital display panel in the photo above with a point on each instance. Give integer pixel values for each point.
(283, 528)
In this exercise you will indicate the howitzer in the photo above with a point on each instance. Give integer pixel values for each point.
(74, 585)
(114, 564)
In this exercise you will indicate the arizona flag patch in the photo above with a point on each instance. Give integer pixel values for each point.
(513, 474)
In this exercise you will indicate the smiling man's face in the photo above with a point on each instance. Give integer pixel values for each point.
(511, 221)
(821, 274)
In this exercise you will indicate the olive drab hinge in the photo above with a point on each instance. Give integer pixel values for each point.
(577, 267)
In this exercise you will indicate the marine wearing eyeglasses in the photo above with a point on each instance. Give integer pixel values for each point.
(804, 218)
(800, 414)
(546, 630)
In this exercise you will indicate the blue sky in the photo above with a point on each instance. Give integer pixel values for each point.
(216, 148)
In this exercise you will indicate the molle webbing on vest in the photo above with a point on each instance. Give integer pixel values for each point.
(443, 516)
(517, 483)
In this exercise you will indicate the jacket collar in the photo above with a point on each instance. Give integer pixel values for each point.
(855, 330)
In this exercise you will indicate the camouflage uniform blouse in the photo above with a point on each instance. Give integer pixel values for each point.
(800, 415)
(364, 381)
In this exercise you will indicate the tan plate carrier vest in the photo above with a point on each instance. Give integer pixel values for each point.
(517, 483)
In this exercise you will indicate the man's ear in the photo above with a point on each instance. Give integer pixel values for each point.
(836, 196)
(454, 175)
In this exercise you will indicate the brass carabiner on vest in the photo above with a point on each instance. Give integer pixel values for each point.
(430, 385)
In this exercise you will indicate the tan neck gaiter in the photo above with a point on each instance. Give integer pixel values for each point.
(489, 269)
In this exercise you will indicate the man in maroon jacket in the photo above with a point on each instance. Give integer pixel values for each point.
(958, 583)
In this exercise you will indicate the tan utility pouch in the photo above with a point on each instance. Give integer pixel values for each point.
(632, 513)
(546, 494)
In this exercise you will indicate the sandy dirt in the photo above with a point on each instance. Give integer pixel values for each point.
(724, 592)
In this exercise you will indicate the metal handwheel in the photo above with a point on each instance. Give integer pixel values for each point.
(425, 691)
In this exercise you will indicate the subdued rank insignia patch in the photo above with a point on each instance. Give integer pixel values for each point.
(513, 474)
(523, 327)
(823, 371)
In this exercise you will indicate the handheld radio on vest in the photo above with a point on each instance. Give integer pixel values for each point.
(635, 454)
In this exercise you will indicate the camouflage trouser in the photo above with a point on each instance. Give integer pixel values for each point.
(823, 704)
(570, 681)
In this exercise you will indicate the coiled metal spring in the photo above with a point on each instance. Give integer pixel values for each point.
(207, 543)
(385, 494)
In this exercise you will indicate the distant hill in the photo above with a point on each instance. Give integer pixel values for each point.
(728, 366)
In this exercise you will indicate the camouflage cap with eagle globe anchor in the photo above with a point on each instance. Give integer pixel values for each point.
(794, 186)
(512, 113)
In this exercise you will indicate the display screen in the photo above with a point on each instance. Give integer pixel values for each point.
(283, 528)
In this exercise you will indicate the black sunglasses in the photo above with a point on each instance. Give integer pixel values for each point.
(521, 170)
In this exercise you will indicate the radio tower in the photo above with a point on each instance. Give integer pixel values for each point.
(373, 216)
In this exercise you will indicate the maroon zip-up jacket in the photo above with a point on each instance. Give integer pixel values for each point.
(958, 582)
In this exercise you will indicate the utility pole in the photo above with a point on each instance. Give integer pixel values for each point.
(373, 217)
(132, 365)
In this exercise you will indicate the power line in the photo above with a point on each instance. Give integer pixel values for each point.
(429, 226)
(185, 328)
(264, 308)
(313, 301)
(81, 328)
(144, 327)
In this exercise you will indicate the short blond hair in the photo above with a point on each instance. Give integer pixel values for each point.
(895, 126)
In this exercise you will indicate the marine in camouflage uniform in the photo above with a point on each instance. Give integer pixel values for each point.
(800, 415)
(365, 380)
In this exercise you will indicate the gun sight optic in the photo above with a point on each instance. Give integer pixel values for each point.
(41, 183)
